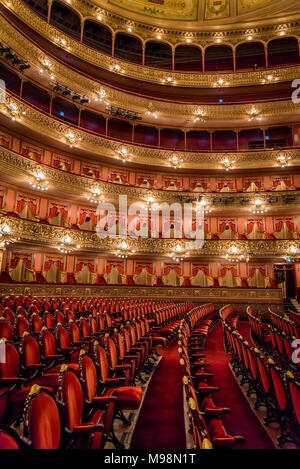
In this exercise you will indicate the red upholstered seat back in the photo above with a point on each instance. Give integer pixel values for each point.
(294, 389)
(22, 325)
(263, 374)
(101, 359)
(62, 337)
(75, 332)
(48, 343)
(279, 388)
(70, 316)
(252, 362)
(21, 312)
(89, 375)
(42, 423)
(6, 329)
(36, 324)
(30, 351)
(7, 441)
(113, 353)
(121, 345)
(11, 367)
(49, 320)
(94, 325)
(60, 318)
(85, 328)
(70, 393)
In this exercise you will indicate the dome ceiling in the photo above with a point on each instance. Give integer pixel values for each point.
(208, 12)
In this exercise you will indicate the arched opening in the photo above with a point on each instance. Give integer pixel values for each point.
(283, 51)
(119, 129)
(11, 79)
(251, 139)
(97, 36)
(129, 48)
(38, 6)
(36, 96)
(65, 110)
(279, 137)
(158, 54)
(218, 58)
(92, 121)
(197, 140)
(250, 55)
(65, 19)
(188, 58)
(224, 140)
(172, 138)
(146, 135)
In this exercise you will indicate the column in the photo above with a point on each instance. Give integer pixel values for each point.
(49, 10)
(266, 57)
(81, 30)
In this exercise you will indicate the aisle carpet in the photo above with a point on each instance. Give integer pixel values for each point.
(160, 424)
(241, 420)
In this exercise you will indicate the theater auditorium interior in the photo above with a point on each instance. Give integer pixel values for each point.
(149, 225)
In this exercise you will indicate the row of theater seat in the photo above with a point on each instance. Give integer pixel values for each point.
(277, 341)
(204, 414)
(274, 388)
(86, 371)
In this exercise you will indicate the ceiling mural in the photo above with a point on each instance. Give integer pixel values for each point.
(166, 9)
(248, 5)
(216, 9)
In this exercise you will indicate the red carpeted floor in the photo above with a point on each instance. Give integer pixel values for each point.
(241, 420)
(160, 424)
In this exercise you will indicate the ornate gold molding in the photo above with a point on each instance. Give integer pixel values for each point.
(201, 295)
(104, 148)
(16, 165)
(182, 114)
(50, 236)
(150, 74)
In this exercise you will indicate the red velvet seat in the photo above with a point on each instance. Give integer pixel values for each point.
(41, 420)
(9, 439)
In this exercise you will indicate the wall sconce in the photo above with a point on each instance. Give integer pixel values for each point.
(227, 163)
(96, 197)
(71, 140)
(67, 246)
(283, 161)
(175, 161)
(40, 182)
(124, 155)
(258, 207)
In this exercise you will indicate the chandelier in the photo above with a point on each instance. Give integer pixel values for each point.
(283, 161)
(124, 155)
(40, 182)
(169, 81)
(96, 197)
(67, 246)
(220, 83)
(6, 236)
(175, 161)
(71, 139)
(116, 68)
(199, 116)
(124, 251)
(11, 110)
(234, 255)
(100, 95)
(203, 207)
(179, 254)
(227, 163)
(254, 115)
(270, 78)
(258, 207)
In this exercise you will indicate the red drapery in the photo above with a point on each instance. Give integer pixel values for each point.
(253, 271)
(250, 226)
(223, 225)
(204, 269)
(89, 170)
(80, 265)
(289, 225)
(248, 184)
(168, 269)
(139, 269)
(225, 269)
(14, 262)
(222, 184)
